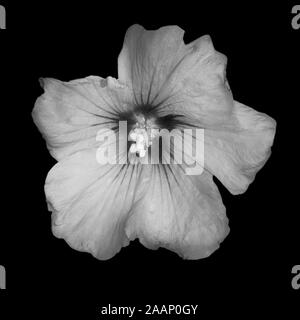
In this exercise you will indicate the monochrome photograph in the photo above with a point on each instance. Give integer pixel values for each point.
(150, 160)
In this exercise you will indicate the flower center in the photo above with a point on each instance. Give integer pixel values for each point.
(142, 133)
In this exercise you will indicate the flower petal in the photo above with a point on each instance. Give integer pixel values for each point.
(237, 150)
(200, 89)
(91, 202)
(179, 78)
(182, 213)
(69, 114)
(148, 58)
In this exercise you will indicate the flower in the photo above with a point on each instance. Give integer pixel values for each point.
(162, 83)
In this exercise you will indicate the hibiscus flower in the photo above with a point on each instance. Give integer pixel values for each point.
(162, 83)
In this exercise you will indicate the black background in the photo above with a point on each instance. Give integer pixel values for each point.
(251, 272)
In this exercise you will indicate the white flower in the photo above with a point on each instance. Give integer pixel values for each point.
(100, 208)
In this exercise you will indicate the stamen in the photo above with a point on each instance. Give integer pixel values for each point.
(142, 134)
